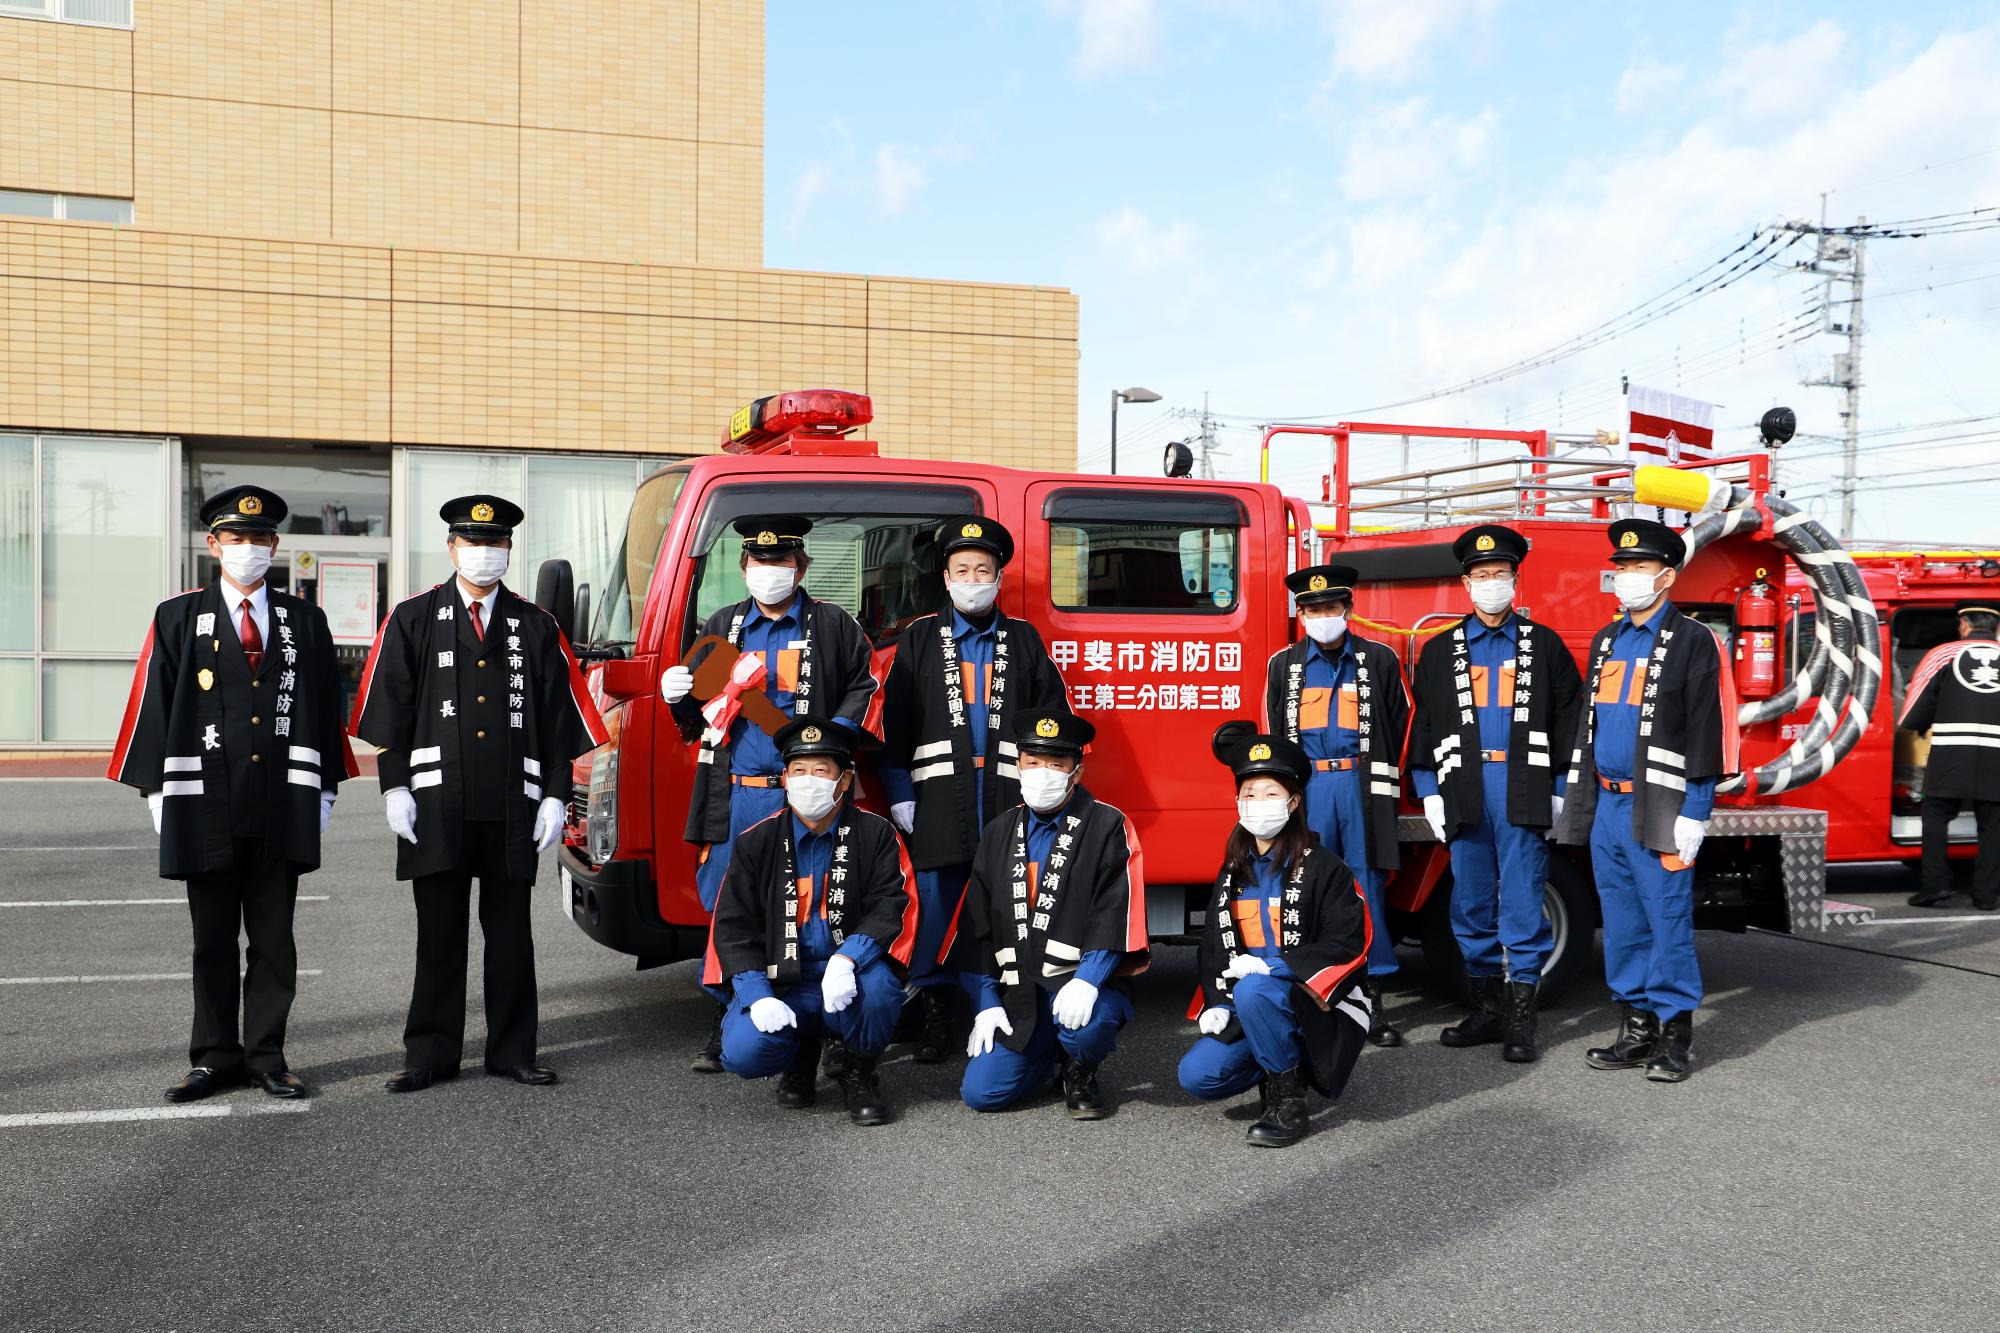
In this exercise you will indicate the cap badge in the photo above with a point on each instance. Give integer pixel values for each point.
(250, 505)
(1047, 728)
(767, 538)
(972, 530)
(1259, 752)
(1627, 541)
(1485, 542)
(1317, 583)
(482, 513)
(810, 735)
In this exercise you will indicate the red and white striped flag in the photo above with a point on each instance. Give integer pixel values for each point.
(1668, 428)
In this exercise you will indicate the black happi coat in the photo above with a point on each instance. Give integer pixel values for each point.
(1955, 696)
(1680, 733)
(927, 733)
(834, 681)
(430, 688)
(1091, 895)
(1384, 706)
(1325, 945)
(1444, 729)
(870, 890)
(236, 755)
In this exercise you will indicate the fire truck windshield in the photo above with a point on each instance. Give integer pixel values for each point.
(631, 577)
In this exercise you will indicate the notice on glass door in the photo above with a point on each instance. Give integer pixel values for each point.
(347, 595)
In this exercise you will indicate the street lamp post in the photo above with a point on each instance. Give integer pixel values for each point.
(1129, 396)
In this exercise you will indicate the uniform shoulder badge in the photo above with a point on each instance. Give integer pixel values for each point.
(205, 678)
(482, 513)
(1047, 728)
(1259, 752)
(811, 735)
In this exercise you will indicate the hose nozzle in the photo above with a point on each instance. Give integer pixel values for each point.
(1675, 488)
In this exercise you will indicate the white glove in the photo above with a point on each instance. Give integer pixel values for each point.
(1212, 1021)
(838, 987)
(548, 823)
(1688, 834)
(675, 683)
(325, 810)
(1434, 812)
(155, 800)
(984, 1024)
(1246, 965)
(1555, 809)
(1074, 1002)
(904, 815)
(402, 811)
(771, 1013)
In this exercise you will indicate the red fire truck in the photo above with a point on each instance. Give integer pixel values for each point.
(1161, 601)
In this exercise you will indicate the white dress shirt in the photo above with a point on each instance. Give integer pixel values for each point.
(485, 605)
(260, 612)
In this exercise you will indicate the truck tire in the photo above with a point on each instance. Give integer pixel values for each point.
(1568, 901)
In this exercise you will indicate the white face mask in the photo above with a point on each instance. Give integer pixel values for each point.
(1044, 788)
(972, 599)
(246, 564)
(770, 584)
(482, 566)
(811, 796)
(1324, 629)
(1493, 595)
(1263, 818)
(1634, 588)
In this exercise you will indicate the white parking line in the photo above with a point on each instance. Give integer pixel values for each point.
(130, 976)
(126, 902)
(1921, 920)
(203, 1111)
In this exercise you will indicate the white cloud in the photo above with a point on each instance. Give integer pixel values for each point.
(1385, 247)
(1383, 40)
(1143, 243)
(1646, 82)
(1403, 149)
(812, 184)
(1781, 78)
(898, 178)
(1114, 34)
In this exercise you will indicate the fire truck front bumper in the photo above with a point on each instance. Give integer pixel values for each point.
(617, 905)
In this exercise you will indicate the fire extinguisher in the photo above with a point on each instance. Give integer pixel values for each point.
(1756, 641)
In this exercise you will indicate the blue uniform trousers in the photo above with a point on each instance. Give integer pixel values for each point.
(1001, 1077)
(938, 895)
(1337, 811)
(865, 1025)
(1497, 874)
(1649, 959)
(1213, 1068)
(747, 806)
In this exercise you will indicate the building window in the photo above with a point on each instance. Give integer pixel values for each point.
(105, 13)
(75, 207)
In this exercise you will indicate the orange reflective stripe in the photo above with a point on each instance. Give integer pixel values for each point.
(978, 687)
(1638, 690)
(1249, 914)
(1479, 675)
(1506, 684)
(805, 899)
(1313, 707)
(788, 670)
(1350, 708)
(1610, 681)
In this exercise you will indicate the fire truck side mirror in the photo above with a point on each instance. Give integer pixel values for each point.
(555, 593)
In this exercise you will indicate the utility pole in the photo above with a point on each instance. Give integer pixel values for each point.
(1841, 257)
(1207, 440)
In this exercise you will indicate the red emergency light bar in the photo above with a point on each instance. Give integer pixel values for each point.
(816, 414)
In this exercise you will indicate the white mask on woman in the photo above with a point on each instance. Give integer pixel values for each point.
(246, 563)
(972, 598)
(770, 584)
(1264, 818)
(812, 796)
(1044, 788)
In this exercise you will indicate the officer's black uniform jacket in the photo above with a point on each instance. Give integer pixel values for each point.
(928, 734)
(1680, 733)
(1028, 931)
(477, 729)
(1955, 695)
(1325, 933)
(1384, 707)
(1444, 729)
(237, 756)
(869, 890)
(834, 681)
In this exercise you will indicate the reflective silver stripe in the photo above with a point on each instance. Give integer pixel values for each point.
(1010, 977)
(711, 736)
(301, 755)
(1383, 770)
(182, 788)
(707, 756)
(429, 778)
(529, 789)
(1940, 729)
(1358, 1015)
(932, 751)
(1057, 970)
(1991, 742)
(1670, 758)
(1661, 778)
(1007, 771)
(929, 771)
(304, 777)
(1004, 957)
(1540, 738)
(1536, 759)
(1447, 766)
(534, 766)
(430, 754)
(1057, 949)
(1385, 788)
(1009, 749)
(182, 764)
(1448, 743)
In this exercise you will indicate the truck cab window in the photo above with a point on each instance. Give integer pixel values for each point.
(624, 595)
(1124, 552)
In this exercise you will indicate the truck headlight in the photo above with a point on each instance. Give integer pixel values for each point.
(600, 830)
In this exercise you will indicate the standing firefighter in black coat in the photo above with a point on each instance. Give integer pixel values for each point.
(1955, 696)
(476, 706)
(233, 731)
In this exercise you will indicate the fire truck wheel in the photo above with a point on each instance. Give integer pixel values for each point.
(1569, 902)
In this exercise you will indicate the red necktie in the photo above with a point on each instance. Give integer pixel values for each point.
(253, 642)
(478, 630)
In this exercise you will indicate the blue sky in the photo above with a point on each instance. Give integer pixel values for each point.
(1312, 207)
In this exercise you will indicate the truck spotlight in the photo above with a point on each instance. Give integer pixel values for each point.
(1778, 425)
(1179, 460)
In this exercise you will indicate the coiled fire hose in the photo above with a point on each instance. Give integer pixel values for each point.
(1844, 667)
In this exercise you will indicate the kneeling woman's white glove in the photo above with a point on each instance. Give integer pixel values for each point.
(1246, 965)
(1212, 1021)
(985, 1024)
(771, 1013)
(1074, 1003)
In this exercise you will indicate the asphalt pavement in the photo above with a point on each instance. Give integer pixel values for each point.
(1831, 1164)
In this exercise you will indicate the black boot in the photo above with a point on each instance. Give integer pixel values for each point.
(863, 1090)
(1284, 1120)
(1483, 1024)
(1520, 1047)
(1931, 898)
(1633, 1045)
(1670, 1054)
(707, 1058)
(1380, 1033)
(834, 1063)
(798, 1086)
(1082, 1098)
(934, 1036)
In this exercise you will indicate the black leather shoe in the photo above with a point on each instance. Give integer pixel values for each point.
(1670, 1054)
(1285, 1118)
(1380, 1031)
(284, 1083)
(863, 1091)
(1484, 1024)
(534, 1076)
(934, 1038)
(1987, 907)
(707, 1058)
(416, 1078)
(1520, 1038)
(798, 1086)
(1632, 1047)
(1082, 1098)
(1932, 898)
(201, 1081)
